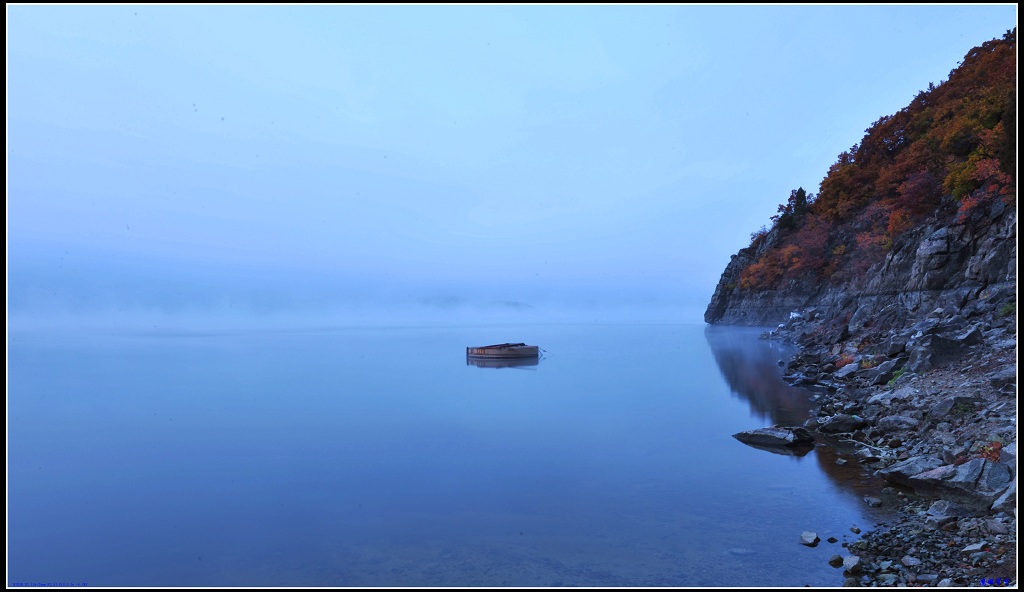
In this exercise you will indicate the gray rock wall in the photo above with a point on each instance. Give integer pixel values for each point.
(959, 266)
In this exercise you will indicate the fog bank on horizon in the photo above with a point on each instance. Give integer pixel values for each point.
(140, 293)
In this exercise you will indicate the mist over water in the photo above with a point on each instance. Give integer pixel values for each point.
(69, 289)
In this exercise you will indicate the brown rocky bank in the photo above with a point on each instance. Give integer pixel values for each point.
(916, 368)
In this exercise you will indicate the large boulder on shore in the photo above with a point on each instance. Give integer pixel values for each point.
(975, 484)
(776, 437)
(901, 472)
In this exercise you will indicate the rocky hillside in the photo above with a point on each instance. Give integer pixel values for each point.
(920, 215)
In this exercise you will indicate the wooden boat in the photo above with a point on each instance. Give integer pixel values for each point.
(502, 362)
(503, 351)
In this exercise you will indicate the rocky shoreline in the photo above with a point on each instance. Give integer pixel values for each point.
(931, 409)
(907, 332)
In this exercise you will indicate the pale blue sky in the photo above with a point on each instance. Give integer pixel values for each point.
(185, 158)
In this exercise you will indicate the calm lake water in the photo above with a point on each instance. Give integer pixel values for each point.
(379, 457)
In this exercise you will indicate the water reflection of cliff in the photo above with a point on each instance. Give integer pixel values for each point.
(751, 368)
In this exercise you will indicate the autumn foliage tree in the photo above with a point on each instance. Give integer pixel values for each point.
(948, 153)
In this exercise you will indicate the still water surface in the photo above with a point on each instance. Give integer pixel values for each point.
(379, 457)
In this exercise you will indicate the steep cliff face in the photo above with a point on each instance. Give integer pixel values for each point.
(959, 266)
(732, 305)
(963, 267)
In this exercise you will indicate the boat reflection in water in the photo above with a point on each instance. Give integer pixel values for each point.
(501, 363)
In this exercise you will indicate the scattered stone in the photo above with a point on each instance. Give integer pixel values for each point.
(842, 423)
(882, 373)
(897, 423)
(809, 539)
(996, 527)
(1008, 500)
(935, 351)
(944, 512)
(851, 564)
(955, 406)
(836, 561)
(874, 502)
(942, 508)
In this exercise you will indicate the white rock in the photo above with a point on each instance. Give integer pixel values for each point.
(809, 538)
